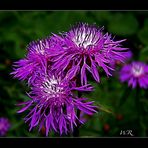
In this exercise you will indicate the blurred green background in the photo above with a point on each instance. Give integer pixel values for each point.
(118, 102)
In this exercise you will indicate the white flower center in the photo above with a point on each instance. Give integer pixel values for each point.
(137, 70)
(85, 37)
(40, 48)
(50, 86)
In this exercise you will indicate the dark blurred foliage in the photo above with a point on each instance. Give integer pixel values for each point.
(118, 103)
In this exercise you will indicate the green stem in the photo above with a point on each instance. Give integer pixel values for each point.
(76, 129)
(137, 100)
(138, 107)
(124, 96)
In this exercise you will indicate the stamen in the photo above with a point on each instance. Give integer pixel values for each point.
(51, 87)
(85, 35)
(137, 70)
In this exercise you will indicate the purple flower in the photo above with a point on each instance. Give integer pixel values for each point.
(4, 126)
(36, 60)
(135, 74)
(53, 104)
(85, 48)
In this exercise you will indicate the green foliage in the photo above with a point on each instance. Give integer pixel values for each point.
(144, 54)
(123, 24)
(116, 101)
(143, 33)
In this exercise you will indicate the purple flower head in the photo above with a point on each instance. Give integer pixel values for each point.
(36, 60)
(135, 74)
(53, 104)
(4, 126)
(85, 48)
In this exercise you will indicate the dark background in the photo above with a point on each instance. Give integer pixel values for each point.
(118, 113)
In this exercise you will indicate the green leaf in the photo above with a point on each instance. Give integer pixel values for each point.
(102, 16)
(145, 104)
(105, 109)
(124, 97)
(143, 35)
(24, 97)
(143, 127)
(16, 125)
(144, 54)
(123, 24)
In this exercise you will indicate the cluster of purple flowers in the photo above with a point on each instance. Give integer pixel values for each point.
(56, 67)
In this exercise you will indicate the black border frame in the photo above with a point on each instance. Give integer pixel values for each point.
(75, 5)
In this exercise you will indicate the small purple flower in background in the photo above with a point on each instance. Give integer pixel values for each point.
(85, 48)
(135, 74)
(53, 104)
(4, 126)
(36, 60)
